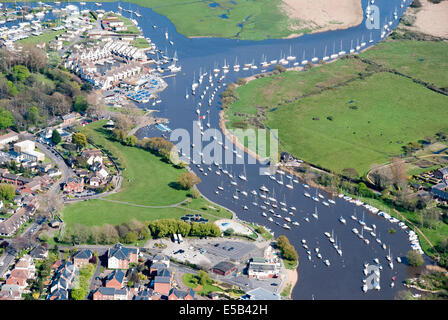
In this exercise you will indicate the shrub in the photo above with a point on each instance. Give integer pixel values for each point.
(414, 258)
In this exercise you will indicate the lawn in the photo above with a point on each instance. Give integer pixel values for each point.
(146, 182)
(46, 37)
(358, 121)
(140, 43)
(189, 280)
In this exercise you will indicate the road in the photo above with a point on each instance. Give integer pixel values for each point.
(32, 229)
(6, 260)
(66, 171)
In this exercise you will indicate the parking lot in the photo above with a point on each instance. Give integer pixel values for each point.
(229, 250)
(208, 252)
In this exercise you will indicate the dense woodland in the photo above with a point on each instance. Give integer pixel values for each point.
(34, 89)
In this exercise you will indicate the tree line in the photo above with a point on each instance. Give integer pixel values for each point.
(133, 231)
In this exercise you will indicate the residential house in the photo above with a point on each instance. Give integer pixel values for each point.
(19, 278)
(94, 181)
(115, 279)
(119, 257)
(74, 185)
(9, 293)
(9, 137)
(82, 257)
(441, 173)
(39, 253)
(63, 278)
(440, 190)
(104, 293)
(92, 155)
(162, 285)
(161, 258)
(145, 294)
(155, 268)
(59, 294)
(54, 172)
(69, 119)
(176, 294)
(13, 179)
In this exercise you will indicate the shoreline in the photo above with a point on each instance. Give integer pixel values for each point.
(292, 277)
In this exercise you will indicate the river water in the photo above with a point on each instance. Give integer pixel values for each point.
(343, 278)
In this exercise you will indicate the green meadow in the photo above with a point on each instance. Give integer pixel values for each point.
(348, 114)
(147, 181)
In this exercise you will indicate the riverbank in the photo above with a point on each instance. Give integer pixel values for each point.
(292, 277)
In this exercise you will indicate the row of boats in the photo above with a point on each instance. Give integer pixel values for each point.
(413, 239)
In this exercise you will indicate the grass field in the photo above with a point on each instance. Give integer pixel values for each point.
(392, 111)
(146, 182)
(360, 123)
(420, 59)
(242, 19)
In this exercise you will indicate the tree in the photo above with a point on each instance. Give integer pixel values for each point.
(158, 145)
(287, 250)
(20, 73)
(50, 203)
(56, 137)
(33, 116)
(79, 139)
(131, 237)
(380, 180)
(7, 192)
(188, 179)
(195, 194)
(119, 135)
(122, 122)
(80, 104)
(78, 294)
(399, 173)
(6, 119)
(130, 140)
(414, 258)
(203, 277)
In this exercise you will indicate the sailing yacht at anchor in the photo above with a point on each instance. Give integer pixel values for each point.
(242, 175)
